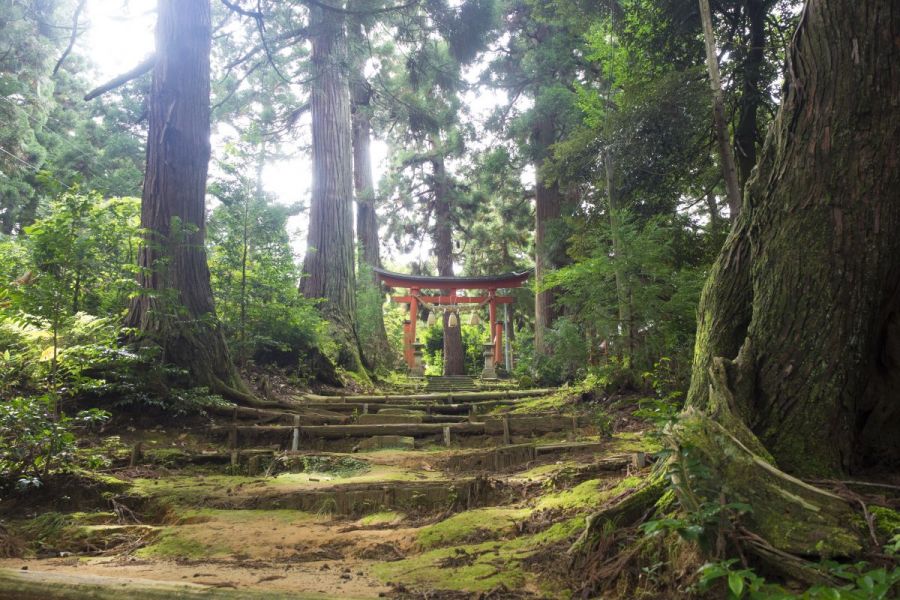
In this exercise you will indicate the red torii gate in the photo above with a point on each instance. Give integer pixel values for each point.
(416, 283)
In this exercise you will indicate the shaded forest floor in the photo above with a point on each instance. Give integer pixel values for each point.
(488, 516)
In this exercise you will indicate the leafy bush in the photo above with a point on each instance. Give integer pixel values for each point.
(33, 443)
(254, 280)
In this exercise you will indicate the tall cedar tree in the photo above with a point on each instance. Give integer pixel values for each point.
(176, 307)
(328, 267)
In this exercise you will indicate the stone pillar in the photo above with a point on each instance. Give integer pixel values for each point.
(489, 372)
(418, 366)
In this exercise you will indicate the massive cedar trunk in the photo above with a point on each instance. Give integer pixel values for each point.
(547, 210)
(746, 133)
(454, 359)
(802, 309)
(366, 219)
(328, 267)
(175, 307)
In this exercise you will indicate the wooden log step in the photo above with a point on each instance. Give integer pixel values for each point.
(440, 397)
(380, 418)
(351, 431)
(527, 425)
(455, 409)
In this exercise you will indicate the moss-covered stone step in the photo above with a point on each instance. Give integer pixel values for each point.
(509, 458)
(443, 397)
(356, 499)
(383, 418)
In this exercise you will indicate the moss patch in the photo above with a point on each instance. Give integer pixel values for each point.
(244, 516)
(381, 518)
(480, 567)
(173, 543)
(634, 441)
(485, 523)
(586, 495)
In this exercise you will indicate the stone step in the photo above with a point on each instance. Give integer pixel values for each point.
(504, 427)
(318, 400)
(450, 383)
(358, 499)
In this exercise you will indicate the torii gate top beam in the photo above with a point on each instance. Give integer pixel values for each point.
(423, 282)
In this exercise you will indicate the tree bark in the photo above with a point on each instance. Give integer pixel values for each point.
(805, 312)
(746, 133)
(547, 210)
(176, 306)
(379, 352)
(328, 267)
(729, 171)
(454, 357)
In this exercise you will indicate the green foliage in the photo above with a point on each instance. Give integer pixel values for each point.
(473, 338)
(34, 443)
(863, 583)
(254, 278)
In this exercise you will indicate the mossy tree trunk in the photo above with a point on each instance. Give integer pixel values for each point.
(379, 350)
(807, 286)
(328, 267)
(175, 307)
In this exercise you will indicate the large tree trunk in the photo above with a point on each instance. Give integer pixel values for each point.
(378, 352)
(807, 287)
(176, 307)
(746, 133)
(797, 359)
(454, 358)
(547, 210)
(328, 267)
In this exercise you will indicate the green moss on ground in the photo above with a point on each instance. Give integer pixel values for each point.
(634, 441)
(586, 495)
(557, 401)
(241, 516)
(175, 543)
(484, 523)
(542, 471)
(483, 566)
(387, 517)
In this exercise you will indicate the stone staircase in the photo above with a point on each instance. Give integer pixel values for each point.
(452, 419)
(450, 383)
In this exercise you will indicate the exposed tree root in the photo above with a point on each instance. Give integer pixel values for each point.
(717, 461)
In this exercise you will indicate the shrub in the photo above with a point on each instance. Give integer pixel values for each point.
(33, 443)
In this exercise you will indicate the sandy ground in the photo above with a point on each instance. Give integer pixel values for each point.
(314, 555)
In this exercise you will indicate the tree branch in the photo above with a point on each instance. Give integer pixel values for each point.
(72, 39)
(242, 11)
(347, 11)
(122, 79)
